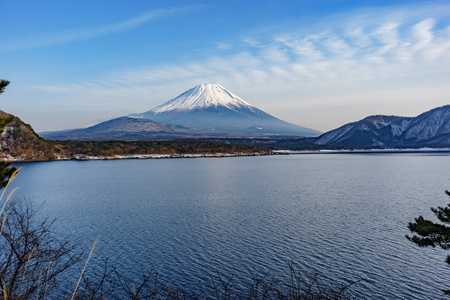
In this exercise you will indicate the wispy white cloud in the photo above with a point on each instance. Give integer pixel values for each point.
(275, 54)
(223, 46)
(333, 56)
(68, 36)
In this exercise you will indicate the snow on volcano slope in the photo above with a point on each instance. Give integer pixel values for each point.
(201, 97)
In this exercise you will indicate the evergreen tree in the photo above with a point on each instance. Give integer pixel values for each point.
(5, 170)
(428, 233)
(5, 173)
(3, 84)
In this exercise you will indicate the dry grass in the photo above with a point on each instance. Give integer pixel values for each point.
(109, 284)
(85, 265)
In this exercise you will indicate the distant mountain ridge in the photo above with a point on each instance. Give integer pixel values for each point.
(123, 128)
(429, 129)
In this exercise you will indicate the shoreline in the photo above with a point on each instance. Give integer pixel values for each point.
(83, 157)
(363, 151)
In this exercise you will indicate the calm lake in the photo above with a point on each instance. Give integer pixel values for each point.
(342, 216)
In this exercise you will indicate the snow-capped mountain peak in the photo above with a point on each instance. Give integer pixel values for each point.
(211, 110)
(203, 96)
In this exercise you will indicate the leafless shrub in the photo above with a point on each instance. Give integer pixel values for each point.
(310, 287)
(31, 255)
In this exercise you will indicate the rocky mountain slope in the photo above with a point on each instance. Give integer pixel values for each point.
(18, 141)
(430, 129)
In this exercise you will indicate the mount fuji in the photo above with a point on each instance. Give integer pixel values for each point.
(210, 109)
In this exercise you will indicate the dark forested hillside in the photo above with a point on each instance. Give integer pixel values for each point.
(112, 148)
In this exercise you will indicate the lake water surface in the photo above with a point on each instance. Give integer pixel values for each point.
(343, 216)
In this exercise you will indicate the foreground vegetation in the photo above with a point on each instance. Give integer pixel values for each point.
(35, 263)
(433, 234)
(109, 284)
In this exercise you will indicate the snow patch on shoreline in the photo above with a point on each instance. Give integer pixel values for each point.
(9, 158)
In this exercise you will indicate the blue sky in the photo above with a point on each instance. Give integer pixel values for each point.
(315, 63)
